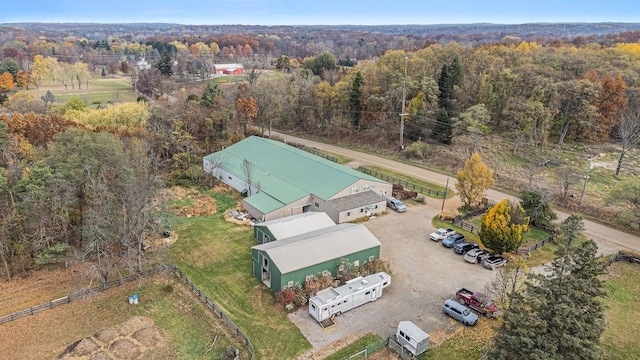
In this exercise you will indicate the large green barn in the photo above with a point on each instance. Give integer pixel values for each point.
(294, 260)
(291, 226)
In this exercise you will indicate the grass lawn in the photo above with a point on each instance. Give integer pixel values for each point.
(100, 91)
(469, 342)
(341, 158)
(216, 255)
(354, 347)
(419, 182)
(622, 313)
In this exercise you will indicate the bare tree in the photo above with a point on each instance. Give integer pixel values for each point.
(508, 281)
(248, 170)
(629, 129)
(252, 72)
(567, 176)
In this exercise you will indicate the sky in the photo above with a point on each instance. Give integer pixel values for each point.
(320, 12)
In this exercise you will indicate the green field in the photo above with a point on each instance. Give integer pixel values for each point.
(216, 255)
(100, 91)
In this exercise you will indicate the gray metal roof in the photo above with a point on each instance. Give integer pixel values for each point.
(297, 224)
(357, 200)
(318, 246)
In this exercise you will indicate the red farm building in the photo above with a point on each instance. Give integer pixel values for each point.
(228, 69)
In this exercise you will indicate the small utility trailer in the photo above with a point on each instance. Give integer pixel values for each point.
(412, 338)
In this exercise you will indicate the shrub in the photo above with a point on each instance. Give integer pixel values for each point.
(314, 285)
(285, 296)
(374, 266)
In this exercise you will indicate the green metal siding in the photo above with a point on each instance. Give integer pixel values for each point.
(260, 231)
(299, 276)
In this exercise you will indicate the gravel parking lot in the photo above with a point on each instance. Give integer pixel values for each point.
(424, 275)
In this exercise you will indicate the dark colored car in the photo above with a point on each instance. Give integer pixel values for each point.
(493, 262)
(452, 240)
(462, 248)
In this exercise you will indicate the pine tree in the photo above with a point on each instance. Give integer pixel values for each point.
(443, 130)
(164, 64)
(355, 107)
(557, 316)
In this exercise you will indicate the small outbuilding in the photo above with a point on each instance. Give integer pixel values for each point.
(228, 69)
(291, 226)
(294, 260)
(412, 338)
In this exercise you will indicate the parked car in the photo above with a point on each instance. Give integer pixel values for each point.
(493, 262)
(462, 248)
(459, 312)
(441, 234)
(395, 204)
(452, 240)
(477, 301)
(475, 256)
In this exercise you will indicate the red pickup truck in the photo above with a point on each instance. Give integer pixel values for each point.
(477, 301)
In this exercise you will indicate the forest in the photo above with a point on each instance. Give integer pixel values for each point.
(78, 177)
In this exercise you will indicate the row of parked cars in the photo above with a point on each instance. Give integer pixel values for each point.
(471, 251)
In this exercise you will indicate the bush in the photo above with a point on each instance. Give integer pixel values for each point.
(399, 192)
(417, 150)
(374, 266)
(314, 285)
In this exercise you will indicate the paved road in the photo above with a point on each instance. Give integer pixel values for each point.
(609, 240)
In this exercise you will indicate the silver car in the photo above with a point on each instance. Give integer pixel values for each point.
(459, 312)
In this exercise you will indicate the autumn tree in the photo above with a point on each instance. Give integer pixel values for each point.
(610, 102)
(6, 82)
(246, 108)
(149, 82)
(475, 121)
(473, 180)
(11, 66)
(558, 315)
(38, 70)
(509, 280)
(81, 73)
(627, 194)
(502, 227)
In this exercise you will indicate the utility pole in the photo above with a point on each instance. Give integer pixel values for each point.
(404, 96)
(586, 178)
(446, 187)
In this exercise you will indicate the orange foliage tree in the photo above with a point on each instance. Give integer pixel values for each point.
(6, 82)
(610, 103)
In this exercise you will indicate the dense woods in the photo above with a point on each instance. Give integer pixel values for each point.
(77, 182)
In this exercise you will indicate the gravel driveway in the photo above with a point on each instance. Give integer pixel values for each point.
(424, 275)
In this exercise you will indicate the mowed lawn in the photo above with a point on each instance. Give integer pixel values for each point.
(216, 255)
(100, 91)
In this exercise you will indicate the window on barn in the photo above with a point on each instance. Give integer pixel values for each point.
(356, 263)
(265, 238)
(371, 258)
(366, 187)
(326, 273)
(341, 267)
(375, 207)
(309, 278)
(290, 283)
(348, 213)
(316, 204)
(361, 210)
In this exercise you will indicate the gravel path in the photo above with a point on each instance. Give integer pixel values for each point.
(424, 275)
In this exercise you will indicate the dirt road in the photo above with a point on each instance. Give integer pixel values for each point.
(609, 240)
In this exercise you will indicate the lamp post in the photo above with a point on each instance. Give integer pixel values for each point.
(404, 96)
(586, 178)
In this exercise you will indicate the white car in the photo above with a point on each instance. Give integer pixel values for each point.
(441, 234)
(476, 256)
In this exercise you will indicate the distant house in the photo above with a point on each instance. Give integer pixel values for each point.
(228, 69)
(291, 226)
(294, 260)
(286, 181)
(142, 64)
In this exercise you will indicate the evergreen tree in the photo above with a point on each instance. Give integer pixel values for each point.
(164, 64)
(560, 315)
(355, 107)
(538, 209)
(445, 85)
(210, 95)
(443, 130)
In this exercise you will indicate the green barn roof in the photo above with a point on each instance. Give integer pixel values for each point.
(284, 173)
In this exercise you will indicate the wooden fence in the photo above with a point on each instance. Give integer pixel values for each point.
(407, 185)
(458, 220)
(70, 298)
(620, 256)
(526, 250)
(322, 155)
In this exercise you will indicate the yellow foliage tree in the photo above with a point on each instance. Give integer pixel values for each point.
(121, 116)
(38, 70)
(6, 82)
(502, 227)
(473, 180)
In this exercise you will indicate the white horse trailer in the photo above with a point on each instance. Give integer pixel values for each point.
(412, 338)
(355, 292)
